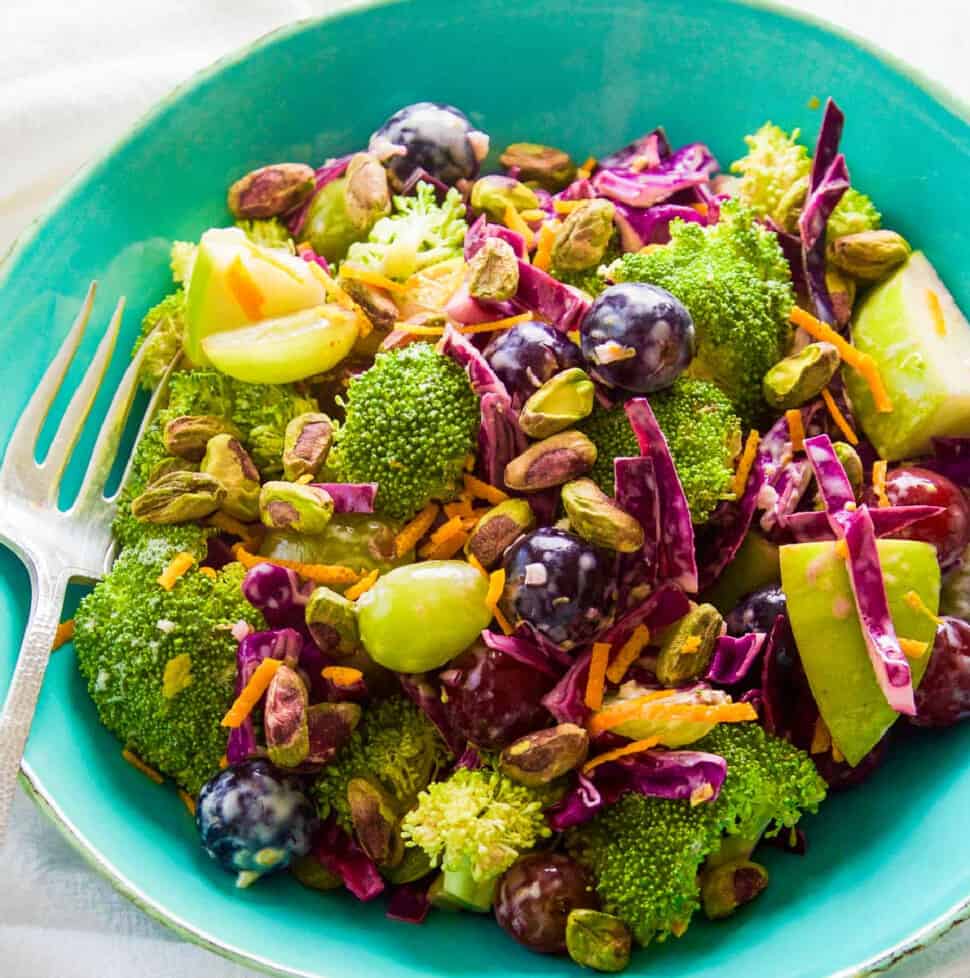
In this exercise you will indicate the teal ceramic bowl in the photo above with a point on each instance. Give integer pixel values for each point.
(889, 865)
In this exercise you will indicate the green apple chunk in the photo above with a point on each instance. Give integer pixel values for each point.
(417, 617)
(823, 616)
(235, 283)
(280, 351)
(920, 341)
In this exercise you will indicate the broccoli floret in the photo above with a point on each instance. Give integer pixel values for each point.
(161, 665)
(420, 232)
(474, 825)
(855, 213)
(181, 260)
(702, 431)
(395, 746)
(645, 853)
(162, 330)
(736, 284)
(410, 423)
(270, 233)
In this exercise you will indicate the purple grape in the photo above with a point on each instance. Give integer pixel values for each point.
(943, 697)
(757, 611)
(527, 355)
(637, 337)
(560, 584)
(535, 897)
(493, 699)
(435, 138)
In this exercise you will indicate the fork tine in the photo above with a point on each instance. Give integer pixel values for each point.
(23, 441)
(69, 429)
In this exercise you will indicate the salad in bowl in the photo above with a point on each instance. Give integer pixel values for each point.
(543, 542)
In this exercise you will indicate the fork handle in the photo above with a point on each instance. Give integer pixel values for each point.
(47, 599)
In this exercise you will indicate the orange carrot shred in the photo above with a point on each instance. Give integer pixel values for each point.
(482, 490)
(913, 648)
(244, 289)
(621, 712)
(229, 524)
(839, 418)
(795, 429)
(936, 311)
(477, 564)
(879, 482)
(139, 765)
(177, 567)
(417, 329)
(412, 532)
(445, 549)
(636, 747)
(251, 693)
(515, 222)
(583, 172)
(496, 324)
(209, 572)
(917, 604)
(596, 680)
(566, 206)
(629, 652)
(357, 273)
(362, 586)
(496, 585)
(747, 460)
(842, 549)
(223, 762)
(342, 675)
(328, 574)
(503, 622)
(63, 635)
(821, 738)
(187, 800)
(547, 237)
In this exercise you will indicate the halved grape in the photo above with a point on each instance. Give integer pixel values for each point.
(279, 351)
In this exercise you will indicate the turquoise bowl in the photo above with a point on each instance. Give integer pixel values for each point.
(888, 867)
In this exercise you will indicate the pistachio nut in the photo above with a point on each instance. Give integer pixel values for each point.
(285, 718)
(869, 255)
(493, 272)
(541, 757)
(329, 727)
(366, 195)
(597, 518)
(498, 529)
(798, 379)
(378, 306)
(791, 205)
(585, 234)
(306, 445)
(598, 940)
(564, 399)
(546, 166)
(179, 497)
(376, 822)
(687, 648)
(187, 435)
(226, 460)
(730, 886)
(551, 462)
(495, 194)
(842, 290)
(413, 866)
(851, 462)
(296, 507)
(332, 621)
(314, 875)
(271, 190)
(169, 465)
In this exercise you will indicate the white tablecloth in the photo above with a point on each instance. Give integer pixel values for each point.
(73, 75)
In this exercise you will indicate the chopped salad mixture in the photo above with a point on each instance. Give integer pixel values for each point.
(539, 543)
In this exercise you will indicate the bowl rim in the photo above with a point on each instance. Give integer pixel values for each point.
(30, 779)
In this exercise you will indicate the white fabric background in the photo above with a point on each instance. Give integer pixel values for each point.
(73, 75)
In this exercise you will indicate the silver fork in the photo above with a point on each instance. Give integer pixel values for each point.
(57, 545)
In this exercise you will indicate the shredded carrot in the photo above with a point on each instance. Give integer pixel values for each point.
(936, 311)
(821, 738)
(496, 324)
(691, 644)
(628, 654)
(547, 237)
(699, 713)
(596, 680)
(417, 329)
(245, 291)
(477, 564)
(503, 622)
(223, 762)
(589, 164)
(470, 462)
(63, 635)
(447, 548)
(496, 585)
(566, 206)
(187, 800)
(412, 532)
(636, 747)
(861, 362)
(839, 418)
(533, 214)
(703, 792)
(177, 567)
(747, 460)
(625, 710)
(136, 762)
(879, 482)
(328, 574)
(842, 549)
(229, 524)
(796, 429)
(482, 490)
(357, 273)
(209, 572)
(837, 755)
(462, 507)
(913, 648)
(515, 221)
(362, 586)
(342, 676)
(917, 604)
(700, 208)
(251, 693)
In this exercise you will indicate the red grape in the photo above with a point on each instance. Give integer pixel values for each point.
(943, 697)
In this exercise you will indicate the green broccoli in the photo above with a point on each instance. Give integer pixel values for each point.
(774, 181)
(702, 431)
(161, 665)
(271, 233)
(420, 232)
(410, 423)
(645, 853)
(181, 260)
(395, 746)
(162, 330)
(474, 825)
(736, 284)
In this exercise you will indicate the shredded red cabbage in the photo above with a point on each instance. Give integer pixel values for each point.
(475, 237)
(827, 144)
(463, 308)
(409, 903)
(687, 167)
(651, 149)
(350, 497)
(581, 189)
(278, 593)
(814, 525)
(338, 852)
(424, 691)
(834, 487)
(523, 650)
(550, 300)
(637, 493)
(565, 700)
(641, 226)
(734, 658)
(951, 457)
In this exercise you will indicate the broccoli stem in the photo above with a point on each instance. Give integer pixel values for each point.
(459, 886)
